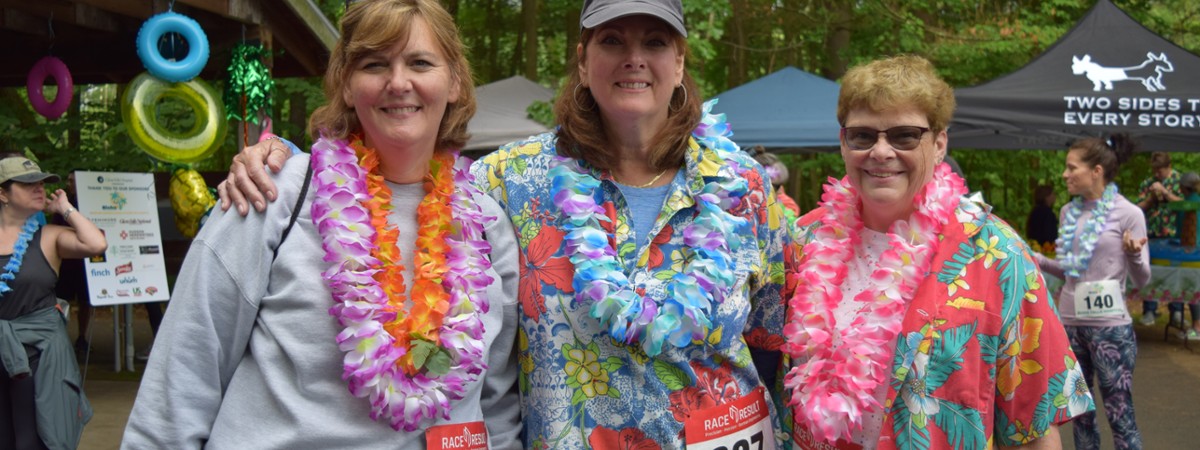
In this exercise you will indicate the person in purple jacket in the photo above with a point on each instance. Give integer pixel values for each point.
(1101, 243)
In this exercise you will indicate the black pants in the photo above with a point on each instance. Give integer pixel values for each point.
(18, 414)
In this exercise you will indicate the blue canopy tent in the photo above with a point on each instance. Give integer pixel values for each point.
(787, 110)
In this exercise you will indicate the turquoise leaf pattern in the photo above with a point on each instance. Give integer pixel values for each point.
(949, 359)
(963, 426)
(908, 435)
(954, 266)
(989, 350)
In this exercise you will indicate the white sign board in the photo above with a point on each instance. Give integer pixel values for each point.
(125, 208)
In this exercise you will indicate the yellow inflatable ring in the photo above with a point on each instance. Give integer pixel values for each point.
(138, 107)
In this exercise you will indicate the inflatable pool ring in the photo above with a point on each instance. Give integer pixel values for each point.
(174, 71)
(53, 68)
(138, 111)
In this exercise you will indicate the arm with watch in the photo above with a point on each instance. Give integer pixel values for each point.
(80, 238)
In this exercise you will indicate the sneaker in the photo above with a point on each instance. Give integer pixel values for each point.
(1192, 335)
(1148, 318)
(1177, 319)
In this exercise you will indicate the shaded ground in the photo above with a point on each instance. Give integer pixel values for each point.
(1166, 388)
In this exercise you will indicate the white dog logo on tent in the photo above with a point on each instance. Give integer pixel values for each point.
(1149, 72)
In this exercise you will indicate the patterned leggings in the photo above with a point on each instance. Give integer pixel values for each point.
(1109, 353)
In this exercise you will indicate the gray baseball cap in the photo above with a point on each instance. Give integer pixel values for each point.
(597, 12)
(22, 169)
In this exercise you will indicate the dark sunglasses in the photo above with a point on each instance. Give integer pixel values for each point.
(900, 138)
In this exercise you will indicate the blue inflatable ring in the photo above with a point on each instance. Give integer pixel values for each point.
(53, 68)
(172, 71)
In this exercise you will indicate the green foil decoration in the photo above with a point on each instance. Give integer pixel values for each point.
(248, 90)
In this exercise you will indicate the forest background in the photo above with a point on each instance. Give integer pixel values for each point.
(731, 42)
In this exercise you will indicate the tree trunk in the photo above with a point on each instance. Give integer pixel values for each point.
(529, 15)
(838, 40)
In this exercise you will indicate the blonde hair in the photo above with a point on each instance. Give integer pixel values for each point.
(581, 127)
(897, 82)
(372, 26)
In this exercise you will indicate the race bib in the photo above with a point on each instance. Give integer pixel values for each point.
(457, 436)
(744, 424)
(1099, 299)
(805, 441)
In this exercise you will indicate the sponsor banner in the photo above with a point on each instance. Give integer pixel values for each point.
(124, 206)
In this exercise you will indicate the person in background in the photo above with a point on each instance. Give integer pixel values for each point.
(387, 319)
(778, 172)
(72, 282)
(1101, 243)
(1154, 193)
(652, 250)
(1189, 189)
(919, 320)
(41, 404)
(1041, 228)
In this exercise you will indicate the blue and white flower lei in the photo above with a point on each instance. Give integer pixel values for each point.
(686, 314)
(1075, 263)
(14, 263)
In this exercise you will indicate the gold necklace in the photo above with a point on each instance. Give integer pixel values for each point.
(649, 183)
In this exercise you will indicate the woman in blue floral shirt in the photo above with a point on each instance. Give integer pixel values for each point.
(652, 253)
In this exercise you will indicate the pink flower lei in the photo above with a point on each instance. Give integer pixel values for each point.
(375, 361)
(835, 384)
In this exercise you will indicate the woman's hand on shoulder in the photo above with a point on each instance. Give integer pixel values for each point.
(248, 181)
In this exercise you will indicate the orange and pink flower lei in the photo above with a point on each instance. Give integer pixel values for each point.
(410, 365)
(834, 383)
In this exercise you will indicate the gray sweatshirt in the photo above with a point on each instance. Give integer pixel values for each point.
(247, 359)
(1109, 260)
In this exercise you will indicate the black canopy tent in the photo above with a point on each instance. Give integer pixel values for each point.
(1108, 74)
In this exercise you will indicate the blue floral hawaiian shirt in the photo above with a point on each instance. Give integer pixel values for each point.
(581, 388)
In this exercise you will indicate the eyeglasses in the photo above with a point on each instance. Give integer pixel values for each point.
(900, 138)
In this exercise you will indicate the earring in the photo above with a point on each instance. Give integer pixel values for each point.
(575, 97)
(684, 102)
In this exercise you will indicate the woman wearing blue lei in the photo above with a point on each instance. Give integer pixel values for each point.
(652, 251)
(41, 405)
(1101, 243)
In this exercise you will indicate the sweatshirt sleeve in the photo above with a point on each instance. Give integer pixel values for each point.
(500, 400)
(207, 327)
(1138, 263)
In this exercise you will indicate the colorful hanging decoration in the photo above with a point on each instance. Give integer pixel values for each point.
(249, 85)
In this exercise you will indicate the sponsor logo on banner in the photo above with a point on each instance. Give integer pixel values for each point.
(148, 250)
(125, 268)
(122, 292)
(1132, 95)
(101, 272)
(116, 202)
(151, 290)
(128, 280)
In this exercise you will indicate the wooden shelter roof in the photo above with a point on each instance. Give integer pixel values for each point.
(96, 38)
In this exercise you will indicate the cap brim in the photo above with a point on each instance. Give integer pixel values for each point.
(606, 14)
(36, 177)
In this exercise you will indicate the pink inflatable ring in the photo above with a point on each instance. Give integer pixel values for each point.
(53, 68)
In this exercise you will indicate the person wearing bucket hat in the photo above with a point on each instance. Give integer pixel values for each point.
(652, 250)
(40, 403)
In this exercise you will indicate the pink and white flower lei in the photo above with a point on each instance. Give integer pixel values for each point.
(835, 383)
(370, 365)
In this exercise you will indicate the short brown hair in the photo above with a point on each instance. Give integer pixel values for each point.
(896, 82)
(1160, 160)
(581, 134)
(371, 26)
